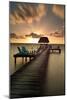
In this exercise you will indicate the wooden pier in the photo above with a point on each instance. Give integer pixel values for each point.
(33, 55)
(18, 55)
(30, 55)
(28, 82)
(55, 50)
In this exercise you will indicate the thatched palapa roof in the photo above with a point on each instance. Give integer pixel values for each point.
(43, 40)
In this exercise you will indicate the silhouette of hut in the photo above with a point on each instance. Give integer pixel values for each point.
(43, 40)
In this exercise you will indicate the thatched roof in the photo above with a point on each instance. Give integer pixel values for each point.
(43, 40)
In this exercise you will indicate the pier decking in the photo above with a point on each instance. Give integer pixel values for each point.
(33, 55)
(23, 56)
(55, 50)
(28, 82)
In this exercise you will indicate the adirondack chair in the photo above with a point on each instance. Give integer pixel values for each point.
(23, 51)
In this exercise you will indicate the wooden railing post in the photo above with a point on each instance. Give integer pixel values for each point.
(15, 62)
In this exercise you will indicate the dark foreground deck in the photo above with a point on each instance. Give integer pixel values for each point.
(28, 82)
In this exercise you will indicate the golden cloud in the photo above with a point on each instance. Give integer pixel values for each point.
(34, 35)
(27, 13)
(58, 10)
(57, 34)
(15, 36)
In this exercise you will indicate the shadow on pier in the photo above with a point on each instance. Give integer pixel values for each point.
(29, 82)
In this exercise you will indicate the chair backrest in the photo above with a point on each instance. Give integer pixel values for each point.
(19, 50)
(24, 49)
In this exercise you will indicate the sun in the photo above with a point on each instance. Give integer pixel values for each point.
(32, 40)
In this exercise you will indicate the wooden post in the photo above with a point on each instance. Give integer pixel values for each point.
(30, 58)
(25, 59)
(22, 59)
(15, 62)
(59, 50)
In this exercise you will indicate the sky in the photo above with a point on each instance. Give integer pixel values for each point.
(30, 21)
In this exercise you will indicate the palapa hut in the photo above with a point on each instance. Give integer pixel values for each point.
(43, 40)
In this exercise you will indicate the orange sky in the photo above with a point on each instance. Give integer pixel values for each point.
(53, 40)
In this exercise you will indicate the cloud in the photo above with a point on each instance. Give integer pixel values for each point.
(57, 34)
(15, 36)
(27, 13)
(58, 10)
(33, 35)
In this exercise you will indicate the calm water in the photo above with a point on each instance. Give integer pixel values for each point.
(54, 84)
(55, 74)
